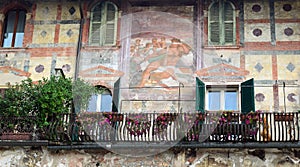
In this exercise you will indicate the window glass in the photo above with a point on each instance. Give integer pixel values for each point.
(106, 101)
(231, 100)
(9, 31)
(100, 102)
(20, 29)
(222, 99)
(214, 98)
(92, 106)
(14, 29)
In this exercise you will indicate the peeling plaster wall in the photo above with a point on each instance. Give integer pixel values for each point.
(27, 157)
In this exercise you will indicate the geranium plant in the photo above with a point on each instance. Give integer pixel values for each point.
(137, 124)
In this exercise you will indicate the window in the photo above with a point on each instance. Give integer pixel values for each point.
(222, 98)
(221, 23)
(100, 102)
(215, 98)
(103, 25)
(14, 29)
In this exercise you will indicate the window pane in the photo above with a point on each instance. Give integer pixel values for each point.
(20, 29)
(214, 100)
(92, 106)
(106, 101)
(9, 30)
(230, 100)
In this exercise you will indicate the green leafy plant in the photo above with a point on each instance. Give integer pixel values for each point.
(47, 99)
(81, 94)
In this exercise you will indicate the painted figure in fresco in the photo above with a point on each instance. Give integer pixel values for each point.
(162, 62)
(162, 43)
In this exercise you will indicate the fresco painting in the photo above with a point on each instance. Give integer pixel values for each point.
(160, 62)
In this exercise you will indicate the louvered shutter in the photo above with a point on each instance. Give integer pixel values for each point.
(214, 26)
(200, 95)
(110, 24)
(228, 23)
(95, 29)
(247, 96)
(103, 24)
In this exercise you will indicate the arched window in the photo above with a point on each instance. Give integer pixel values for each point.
(221, 23)
(101, 102)
(14, 28)
(103, 24)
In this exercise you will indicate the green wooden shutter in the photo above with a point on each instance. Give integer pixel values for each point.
(228, 23)
(95, 25)
(214, 25)
(247, 96)
(116, 95)
(103, 24)
(221, 23)
(200, 95)
(110, 29)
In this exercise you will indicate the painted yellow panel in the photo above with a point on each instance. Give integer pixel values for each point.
(262, 14)
(280, 36)
(34, 62)
(67, 64)
(289, 98)
(283, 72)
(67, 7)
(46, 11)
(43, 34)
(264, 37)
(268, 102)
(280, 13)
(68, 33)
(266, 63)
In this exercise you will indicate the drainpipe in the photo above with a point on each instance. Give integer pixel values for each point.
(79, 43)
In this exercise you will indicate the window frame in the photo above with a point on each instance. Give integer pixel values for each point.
(103, 24)
(246, 95)
(222, 89)
(99, 98)
(221, 21)
(15, 28)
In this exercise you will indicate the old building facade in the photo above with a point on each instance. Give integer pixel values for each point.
(225, 43)
(160, 55)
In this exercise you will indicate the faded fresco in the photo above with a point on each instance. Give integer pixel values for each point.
(163, 62)
(161, 74)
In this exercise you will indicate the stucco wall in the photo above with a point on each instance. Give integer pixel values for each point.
(34, 157)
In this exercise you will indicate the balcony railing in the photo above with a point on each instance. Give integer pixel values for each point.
(211, 129)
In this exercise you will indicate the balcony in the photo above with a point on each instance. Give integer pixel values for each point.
(130, 130)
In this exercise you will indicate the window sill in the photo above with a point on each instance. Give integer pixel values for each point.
(101, 47)
(222, 47)
(11, 49)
